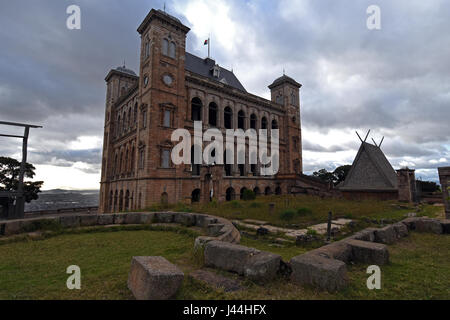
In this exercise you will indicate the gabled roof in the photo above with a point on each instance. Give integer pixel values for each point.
(204, 68)
(370, 171)
(284, 78)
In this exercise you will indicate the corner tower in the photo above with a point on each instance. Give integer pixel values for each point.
(285, 91)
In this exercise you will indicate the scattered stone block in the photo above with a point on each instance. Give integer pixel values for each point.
(12, 227)
(216, 281)
(339, 250)
(215, 229)
(89, 220)
(411, 222)
(203, 220)
(368, 252)
(185, 219)
(367, 234)
(445, 226)
(400, 229)
(105, 219)
(154, 278)
(228, 256)
(326, 274)
(262, 266)
(69, 221)
(385, 235)
(429, 225)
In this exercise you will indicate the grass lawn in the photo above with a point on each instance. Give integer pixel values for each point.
(35, 269)
(309, 210)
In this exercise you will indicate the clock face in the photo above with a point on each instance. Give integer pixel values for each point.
(167, 79)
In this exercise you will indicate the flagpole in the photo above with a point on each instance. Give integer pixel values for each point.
(209, 43)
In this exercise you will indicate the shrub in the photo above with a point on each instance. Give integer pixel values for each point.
(235, 204)
(303, 211)
(255, 205)
(287, 214)
(311, 232)
(248, 195)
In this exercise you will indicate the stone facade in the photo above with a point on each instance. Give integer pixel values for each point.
(143, 111)
(444, 177)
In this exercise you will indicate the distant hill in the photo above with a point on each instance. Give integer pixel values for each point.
(60, 199)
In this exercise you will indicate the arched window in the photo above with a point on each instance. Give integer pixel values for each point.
(127, 200)
(229, 194)
(263, 123)
(195, 166)
(293, 98)
(278, 190)
(228, 118)
(195, 196)
(172, 50)
(227, 166)
(253, 121)
(242, 193)
(118, 126)
(115, 165)
(165, 47)
(135, 111)
(267, 191)
(121, 200)
(274, 124)
(257, 191)
(212, 114)
(279, 98)
(164, 198)
(133, 157)
(196, 109)
(115, 201)
(126, 161)
(241, 120)
(110, 206)
(147, 49)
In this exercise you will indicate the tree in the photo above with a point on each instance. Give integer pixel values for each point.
(9, 178)
(337, 176)
(427, 186)
(341, 173)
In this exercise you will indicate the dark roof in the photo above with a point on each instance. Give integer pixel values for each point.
(121, 71)
(163, 16)
(284, 78)
(204, 68)
(370, 170)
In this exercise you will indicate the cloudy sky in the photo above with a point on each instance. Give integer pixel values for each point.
(394, 81)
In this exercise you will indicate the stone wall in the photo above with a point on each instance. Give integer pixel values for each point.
(444, 177)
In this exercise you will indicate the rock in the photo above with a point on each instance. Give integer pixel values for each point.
(400, 229)
(227, 256)
(119, 218)
(216, 281)
(105, 219)
(326, 274)
(368, 252)
(367, 234)
(154, 278)
(410, 222)
(201, 241)
(186, 219)
(304, 238)
(147, 217)
(410, 214)
(215, 229)
(88, 220)
(429, 225)
(339, 250)
(261, 231)
(445, 226)
(385, 235)
(69, 221)
(12, 227)
(262, 266)
(285, 269)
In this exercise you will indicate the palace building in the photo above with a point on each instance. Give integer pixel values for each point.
(173, 89)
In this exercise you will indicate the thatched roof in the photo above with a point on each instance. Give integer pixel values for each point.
(370, 171)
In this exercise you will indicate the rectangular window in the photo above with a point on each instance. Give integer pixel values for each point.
(144, 119)
(141, 158)
(165, 158)
(166, 119)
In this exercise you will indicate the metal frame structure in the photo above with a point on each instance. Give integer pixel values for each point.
(17, 197)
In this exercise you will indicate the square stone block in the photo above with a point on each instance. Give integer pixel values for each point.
(369, 252)
(386, 235)
(70, 221)
(154, 278)
(105, 219)
(89, 220)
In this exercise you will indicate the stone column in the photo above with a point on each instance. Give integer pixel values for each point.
(444, 177)
(406, 185)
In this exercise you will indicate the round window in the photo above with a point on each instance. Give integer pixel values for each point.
(167, 79)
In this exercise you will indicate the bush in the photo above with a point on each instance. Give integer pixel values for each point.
(311, 232)
(235, 204)
(303, 211)
(248, 195)
(287, 214)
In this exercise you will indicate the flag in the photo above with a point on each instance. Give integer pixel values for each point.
(206, 42)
